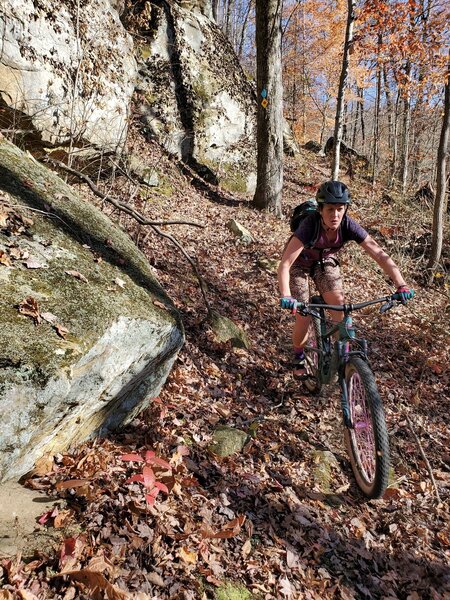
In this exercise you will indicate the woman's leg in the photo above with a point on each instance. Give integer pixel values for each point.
(329, 283)
(334, 297)
(300, 331)
(299, 290)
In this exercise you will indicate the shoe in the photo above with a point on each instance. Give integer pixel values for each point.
(299, 364)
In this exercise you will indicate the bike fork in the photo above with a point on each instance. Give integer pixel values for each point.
(343, 356)
(345, 406)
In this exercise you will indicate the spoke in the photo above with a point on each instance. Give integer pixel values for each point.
(362, 433)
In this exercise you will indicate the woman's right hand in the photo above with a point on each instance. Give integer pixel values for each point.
(289, 303)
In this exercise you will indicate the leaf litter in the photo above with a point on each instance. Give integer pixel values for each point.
(258, 518)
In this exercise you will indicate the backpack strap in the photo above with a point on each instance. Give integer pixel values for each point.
(316, 234)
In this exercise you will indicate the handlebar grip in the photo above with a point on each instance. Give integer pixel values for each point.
(398, 295)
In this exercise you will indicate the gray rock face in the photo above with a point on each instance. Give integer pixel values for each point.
(121, 332)
(196, 99)
(72, 74)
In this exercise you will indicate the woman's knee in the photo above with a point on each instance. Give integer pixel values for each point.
(334, 297)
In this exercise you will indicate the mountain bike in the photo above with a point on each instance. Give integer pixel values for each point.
(365, 431)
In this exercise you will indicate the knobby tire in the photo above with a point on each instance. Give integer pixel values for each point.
(313, 353)
(367, 442)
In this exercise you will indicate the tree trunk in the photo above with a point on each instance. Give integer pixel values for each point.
(355, 116)
(214, 6)
(406, 130)
(359, 115)
(406, 140)
(342, 84)
(323, 127)
(270, 118)
(345, 122)
(388, 96)
(244, 29)
(363, 127)
(395, 141)
(441, 187)
(376, 122)
(303, 54)
(228, 21)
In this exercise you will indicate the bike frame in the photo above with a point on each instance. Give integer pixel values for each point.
(347, 344)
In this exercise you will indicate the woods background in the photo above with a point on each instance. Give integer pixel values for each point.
(393, 105)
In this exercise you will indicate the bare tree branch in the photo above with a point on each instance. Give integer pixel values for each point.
(124, 207)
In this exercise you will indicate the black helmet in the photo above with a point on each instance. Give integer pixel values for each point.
(333, 192)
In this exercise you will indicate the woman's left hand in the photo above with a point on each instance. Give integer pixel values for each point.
(405, 294)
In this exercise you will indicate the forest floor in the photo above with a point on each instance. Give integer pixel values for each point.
(283, 518)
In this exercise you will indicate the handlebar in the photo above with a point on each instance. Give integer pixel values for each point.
(390, 301)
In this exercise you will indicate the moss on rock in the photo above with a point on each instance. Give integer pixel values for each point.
(225, 330)
(232, 591)
(227, 441)
(86, 275)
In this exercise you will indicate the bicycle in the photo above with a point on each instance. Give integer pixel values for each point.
(365, 431)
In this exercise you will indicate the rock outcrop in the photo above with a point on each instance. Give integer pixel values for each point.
(195, 98)
(71, 73)
(88, 336)
(68, 77)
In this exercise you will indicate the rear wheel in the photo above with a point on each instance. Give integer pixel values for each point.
(313, 352)
(367, 440)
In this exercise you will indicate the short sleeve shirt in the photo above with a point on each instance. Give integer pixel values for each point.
(349, 230)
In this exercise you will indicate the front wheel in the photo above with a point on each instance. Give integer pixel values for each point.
(367, 439)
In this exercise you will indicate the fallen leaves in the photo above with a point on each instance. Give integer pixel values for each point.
(188, 556)
(253, 517)
(97, 585)
(61, 331)
(161, 305)
(229, 530)
(71, 484)
(76, 275)
(4, 259)
(30, 308)
(14, 221)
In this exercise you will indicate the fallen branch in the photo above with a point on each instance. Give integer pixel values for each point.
(430, 471)
(124, 207)
(135, 179)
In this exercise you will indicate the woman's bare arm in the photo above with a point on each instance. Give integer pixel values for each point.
(383, 260)
(292, 250)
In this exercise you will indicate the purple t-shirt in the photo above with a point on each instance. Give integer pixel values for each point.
(349, 230)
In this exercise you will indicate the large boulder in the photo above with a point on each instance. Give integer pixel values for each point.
(72, 74)
(194, 97)
(88, 334)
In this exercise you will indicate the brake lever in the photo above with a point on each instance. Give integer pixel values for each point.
(302, 309)
(387, 306)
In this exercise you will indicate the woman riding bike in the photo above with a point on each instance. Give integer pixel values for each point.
(300, 261)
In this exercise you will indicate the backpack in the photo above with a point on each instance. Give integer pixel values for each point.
(302, 211)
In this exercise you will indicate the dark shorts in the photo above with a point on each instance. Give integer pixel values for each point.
(326, 279)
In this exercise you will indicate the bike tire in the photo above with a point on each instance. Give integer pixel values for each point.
(367, 441)
(313, 352)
